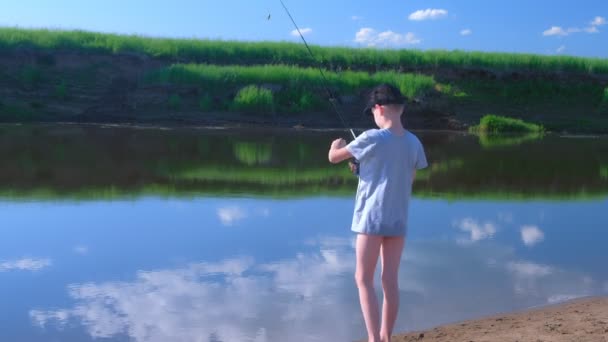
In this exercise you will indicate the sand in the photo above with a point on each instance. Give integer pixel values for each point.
(579, 320)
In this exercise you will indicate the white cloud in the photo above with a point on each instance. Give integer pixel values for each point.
(229, 215)
(428, 13)
(370, 37)
(466, 32)
(555, 31)
(529, 269)
(598, 21)
(591, 29)
(233, 300)
(561, 49)
(365, 35)
(82, 250)
(531, 235)
(25, 264)
(356, 17)
(41, 317)
(304, 31)
(477, 230)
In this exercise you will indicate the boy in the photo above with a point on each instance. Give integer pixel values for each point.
(388, 157)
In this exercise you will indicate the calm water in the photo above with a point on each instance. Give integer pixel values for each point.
(131, 234)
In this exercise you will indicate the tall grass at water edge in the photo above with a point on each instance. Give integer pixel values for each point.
(495, 124)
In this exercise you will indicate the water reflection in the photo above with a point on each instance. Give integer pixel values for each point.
(221, 235)
(232, 300)
(531, 235)
(299, 299)
(91, 162)
(492, 141)
(25, 264)
(290, 278)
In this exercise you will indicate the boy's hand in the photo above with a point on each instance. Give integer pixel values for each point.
(338, 152)
(338, 143)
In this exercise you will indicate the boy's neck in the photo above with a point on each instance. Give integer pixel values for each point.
(394, 125)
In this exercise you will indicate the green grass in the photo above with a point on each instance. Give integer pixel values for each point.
(604, 171)
(254, 99)
(234, 52)
(296, 89)
(499, 124)
(212, 76)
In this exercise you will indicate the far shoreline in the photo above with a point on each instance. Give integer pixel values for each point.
(274, 128)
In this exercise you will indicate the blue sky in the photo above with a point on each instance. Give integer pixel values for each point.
(578, 28)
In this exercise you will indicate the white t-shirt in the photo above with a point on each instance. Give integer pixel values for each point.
(387, 163)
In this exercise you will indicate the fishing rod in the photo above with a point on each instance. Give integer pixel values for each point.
(325, 81)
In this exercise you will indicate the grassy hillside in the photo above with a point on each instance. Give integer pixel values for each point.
(50, 75)
(247, 53)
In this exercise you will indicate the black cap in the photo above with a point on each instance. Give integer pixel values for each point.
(383, 94)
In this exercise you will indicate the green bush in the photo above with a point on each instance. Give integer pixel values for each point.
(175, 101)
(16, 113)
(31, 76)
(253, 99)
(61, 91)
(500, 124)
(205, 103)
(604, 172)
(604, 103)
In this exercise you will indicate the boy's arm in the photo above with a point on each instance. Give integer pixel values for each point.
(338, 151)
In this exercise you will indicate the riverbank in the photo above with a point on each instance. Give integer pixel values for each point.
(578, 320)
(75, 76)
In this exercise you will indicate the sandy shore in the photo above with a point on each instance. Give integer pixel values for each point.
(580, 320)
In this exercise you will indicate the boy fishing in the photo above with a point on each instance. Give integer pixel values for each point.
(388, 159)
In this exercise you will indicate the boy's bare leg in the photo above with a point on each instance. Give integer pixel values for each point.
(392, 248)
(367, 250)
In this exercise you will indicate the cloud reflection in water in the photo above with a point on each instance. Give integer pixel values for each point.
(312, 296)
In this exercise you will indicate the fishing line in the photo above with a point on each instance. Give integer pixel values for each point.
(332, 99)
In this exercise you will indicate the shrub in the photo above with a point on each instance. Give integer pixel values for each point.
(253, 99)
(500, 124)
(205, 103)
(604, 102)
(175, 101)
(31, 76)
(61, 91)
